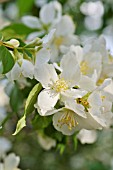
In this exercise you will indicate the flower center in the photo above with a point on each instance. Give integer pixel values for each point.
(103, 98)
(84, 101)
(68, 119)
(58, 41)
(60, 85)
(84, 67)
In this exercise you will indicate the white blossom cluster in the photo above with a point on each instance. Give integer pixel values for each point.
(10, 161)
(74, 76)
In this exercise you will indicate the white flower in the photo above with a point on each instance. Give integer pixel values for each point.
(49, 15)
(23, 68)
(99, 46)
(55, 85)
(49, 12)
(5, 146)
(4, 99)
(87, 136)
(46, 142)
(64, 35)
(67, 121)
(90, 66)
(10, 162)
(91, 110)
(101, 107)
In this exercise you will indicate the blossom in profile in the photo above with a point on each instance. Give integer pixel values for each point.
(10, 162)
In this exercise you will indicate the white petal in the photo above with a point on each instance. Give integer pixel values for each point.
(77, 108)
(27, 69)
(65, 26)
(47, 13)
(78, 50)
(104, 84)
(49, 37)
(87, 83)
(11, 162)
(71, 39)
(98, 117)
(35, 34)
(95, 100)
(42, 57)
(64, 128)
(46, 102)
(46, 142)
(14, 74)
(108, 96)
(71, 71)
(74, 93)
(54, 51)
(87, 136)
(31, 21)
(5, 145)
(46, 75)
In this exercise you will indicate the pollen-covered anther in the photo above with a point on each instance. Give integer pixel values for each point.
(84, 67)
(60, 85)
(83, 101)
(68, 119)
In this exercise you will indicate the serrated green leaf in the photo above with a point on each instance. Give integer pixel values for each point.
(7, 59)
(20, 125)
(31, 100)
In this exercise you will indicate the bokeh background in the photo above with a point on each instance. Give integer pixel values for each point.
(92, 18)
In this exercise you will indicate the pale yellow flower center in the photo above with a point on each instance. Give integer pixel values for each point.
(68, 119)
(84, 67)
(103, 97)
(58, 41)
(60, 85)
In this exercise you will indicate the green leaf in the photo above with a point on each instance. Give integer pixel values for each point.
(41, 122)
(7, 59)
(1, 36)
(16, 30)
(16, 98)
(20, 125)
(24, 6)
(29, 106)
(31, 100)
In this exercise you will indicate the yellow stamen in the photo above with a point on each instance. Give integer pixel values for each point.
(68, 119)
(84, 67)
(103, 97)
(60, 85)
